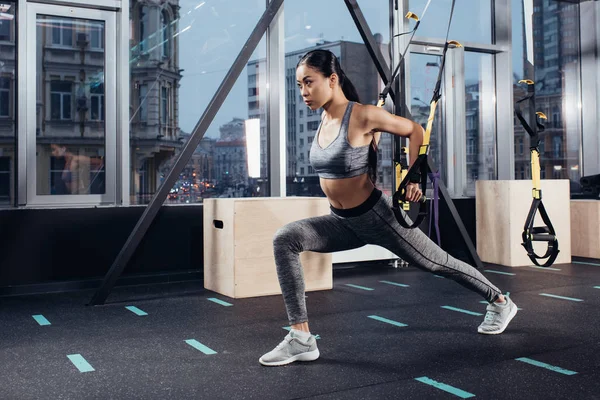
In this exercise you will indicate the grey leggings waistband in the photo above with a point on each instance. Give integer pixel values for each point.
(360, 209)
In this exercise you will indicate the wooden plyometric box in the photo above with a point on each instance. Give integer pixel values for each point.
(238, 244)
(585, 228)
(501, 210)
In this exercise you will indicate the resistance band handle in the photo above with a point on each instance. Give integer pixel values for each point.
(398, 199)
(540, 234)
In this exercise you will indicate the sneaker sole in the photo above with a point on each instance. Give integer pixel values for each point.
(499, 331)
(308, 356)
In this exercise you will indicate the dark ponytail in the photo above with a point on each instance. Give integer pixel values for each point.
(373, 150)
(348, 88)
(327, 63)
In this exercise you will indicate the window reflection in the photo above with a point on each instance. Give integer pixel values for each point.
(70, 110)
(471, 21)
(180, 53)
(480, 120)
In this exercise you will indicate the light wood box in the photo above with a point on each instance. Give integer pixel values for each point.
(501, 210)
(585, 228)
(238, 258)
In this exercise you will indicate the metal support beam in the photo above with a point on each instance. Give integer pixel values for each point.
(505, 126)
(370, 42)
(276, 107)
(471, 250)
(143, 224)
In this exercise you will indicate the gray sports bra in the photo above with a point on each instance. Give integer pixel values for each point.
(339, 159)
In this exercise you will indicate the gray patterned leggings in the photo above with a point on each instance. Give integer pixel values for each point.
(372, 222)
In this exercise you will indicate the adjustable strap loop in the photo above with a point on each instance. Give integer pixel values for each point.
(540, 234)
(398, 199)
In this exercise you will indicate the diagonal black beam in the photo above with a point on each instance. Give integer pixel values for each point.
(472, 252)
(143, 224)
(370, 42)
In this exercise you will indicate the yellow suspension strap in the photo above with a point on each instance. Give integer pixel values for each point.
(401, 155)
(419, 171)
(541, 233)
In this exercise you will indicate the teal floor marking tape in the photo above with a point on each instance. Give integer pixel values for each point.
(80, 363)
(547, 366)
(560, 297)
(199, 346)
(136, 310)
(40, 319)
(387, 321)
(461, 310)
(446, 388)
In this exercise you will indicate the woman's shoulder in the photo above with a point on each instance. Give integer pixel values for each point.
(366, 112)
(363, 116)
(365, 108)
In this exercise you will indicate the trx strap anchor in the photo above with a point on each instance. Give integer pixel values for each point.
(530, 233)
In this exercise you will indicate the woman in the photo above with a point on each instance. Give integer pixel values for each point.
(344, 154)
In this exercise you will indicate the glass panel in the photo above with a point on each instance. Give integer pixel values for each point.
(549, 55)
(471, 22)
(8, 88)
(97, 36)
(70, 133)
(424, 69)
(307, 27)
(480, 119)
(177, 64)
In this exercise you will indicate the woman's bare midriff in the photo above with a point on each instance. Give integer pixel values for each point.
(348, 192)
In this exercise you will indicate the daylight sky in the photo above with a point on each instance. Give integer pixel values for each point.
(212, 33)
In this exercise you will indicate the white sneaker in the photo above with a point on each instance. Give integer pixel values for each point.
(291, 349)
(497, 317)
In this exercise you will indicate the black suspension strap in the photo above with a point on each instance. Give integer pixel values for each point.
(384, 93)
(419, 171)
(409, 15)
(541, 233)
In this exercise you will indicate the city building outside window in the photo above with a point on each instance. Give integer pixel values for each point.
(5, 88)
(142, 105)
(60, 100)
(96, 36)
(97, 102)
(166, 34)
(5, 29)
(62, 32)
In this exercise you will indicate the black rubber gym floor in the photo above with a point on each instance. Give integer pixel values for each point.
(384, 333)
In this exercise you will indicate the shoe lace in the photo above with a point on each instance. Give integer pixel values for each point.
(490, 316)
(283, 343)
